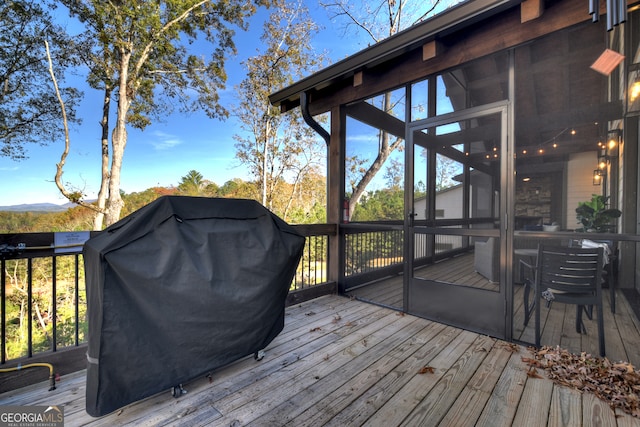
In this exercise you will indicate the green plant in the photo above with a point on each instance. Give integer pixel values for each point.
(594, 215)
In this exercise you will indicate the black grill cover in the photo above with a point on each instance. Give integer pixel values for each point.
(181, 287)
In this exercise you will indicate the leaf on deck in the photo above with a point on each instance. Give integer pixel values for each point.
(427, 370)
(618, 384)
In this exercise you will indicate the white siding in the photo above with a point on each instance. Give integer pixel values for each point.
(580, 186)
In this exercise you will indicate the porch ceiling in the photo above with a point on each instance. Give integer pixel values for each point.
(455, 19)
(560, 103)
(558, 98)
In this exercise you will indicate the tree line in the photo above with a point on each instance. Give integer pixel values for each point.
(303, 204)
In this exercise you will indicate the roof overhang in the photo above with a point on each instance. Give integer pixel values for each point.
(452, 20)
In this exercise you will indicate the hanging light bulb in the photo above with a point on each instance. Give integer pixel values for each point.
(635, 91)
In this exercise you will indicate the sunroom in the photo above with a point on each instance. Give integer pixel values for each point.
(504, 117)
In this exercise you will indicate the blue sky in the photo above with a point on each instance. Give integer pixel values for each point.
(162, 153)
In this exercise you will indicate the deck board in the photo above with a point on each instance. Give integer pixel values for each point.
(503, 403)
(622, 329)
(343, 362)
(534, 404)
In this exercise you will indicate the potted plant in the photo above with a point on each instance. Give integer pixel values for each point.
(595, 216)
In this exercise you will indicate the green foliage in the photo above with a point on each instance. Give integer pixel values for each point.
(147, 56)
(277, 147)
(307, 207)
(18, 222)
(42, 319)
(594, 215)
(73, 219)
(194, 184)
(134, 201)
(239, 189)
(152, 40)
(381, 205)
(29, 110)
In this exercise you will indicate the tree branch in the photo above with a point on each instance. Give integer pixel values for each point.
(75, 197)
(147, 49)
(352, 17)
(424, 15)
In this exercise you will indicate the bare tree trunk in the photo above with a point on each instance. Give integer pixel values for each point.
(41, 321)
(292, 195)
(384, 152)
(118, 142)
(265, 162)
(104, 181)
(72, 196)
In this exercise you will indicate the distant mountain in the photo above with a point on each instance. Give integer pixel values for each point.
(37, 207)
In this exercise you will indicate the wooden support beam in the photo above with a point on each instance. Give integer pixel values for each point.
(531, 9)
(357, 79)
(368, 114)
(431, 50)
(335, 189)
(484, 39)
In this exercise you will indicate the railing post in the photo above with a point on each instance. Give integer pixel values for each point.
(29, 307)
(54, 303)
(77, 300)
(3, 309)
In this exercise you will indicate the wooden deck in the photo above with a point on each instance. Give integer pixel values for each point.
(458, 271)
(622, 329)
(343, 362)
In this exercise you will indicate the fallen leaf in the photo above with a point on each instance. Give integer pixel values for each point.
(530, 362)
(618, 384)
(427, 370)
(533, 373)
(316, 329)
(513, 348)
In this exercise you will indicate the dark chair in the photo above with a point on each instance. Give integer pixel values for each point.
(610, 268)
(568, 275)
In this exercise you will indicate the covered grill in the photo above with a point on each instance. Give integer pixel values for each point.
(181, 287)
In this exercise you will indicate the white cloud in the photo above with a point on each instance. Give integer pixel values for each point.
(164, 141)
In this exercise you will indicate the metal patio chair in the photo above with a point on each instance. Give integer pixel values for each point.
(567, 275)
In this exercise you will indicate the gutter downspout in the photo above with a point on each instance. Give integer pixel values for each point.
(304, 106)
